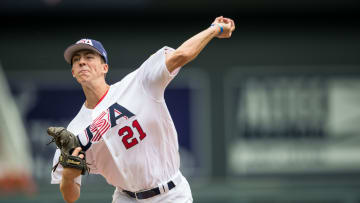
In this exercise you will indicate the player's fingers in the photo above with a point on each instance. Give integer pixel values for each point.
(226, 20)
(81, 156)
(76, 151)
(221, 19)
(233, 25)
(217, 20)
(231, 22)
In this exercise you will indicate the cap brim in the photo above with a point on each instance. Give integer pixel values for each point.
(69, 52)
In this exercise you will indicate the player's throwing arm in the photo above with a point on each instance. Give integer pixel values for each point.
(190, 49)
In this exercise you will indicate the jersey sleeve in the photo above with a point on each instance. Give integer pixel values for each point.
(56, 175)
(154, 75)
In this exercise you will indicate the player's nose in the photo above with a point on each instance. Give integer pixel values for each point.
(82, 60)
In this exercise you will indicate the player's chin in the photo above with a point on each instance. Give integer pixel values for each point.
(83, 79)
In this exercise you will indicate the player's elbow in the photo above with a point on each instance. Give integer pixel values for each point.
(70, 198)
(70, 194)
(182, 57)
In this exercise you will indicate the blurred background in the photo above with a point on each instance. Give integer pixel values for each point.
(270, 115)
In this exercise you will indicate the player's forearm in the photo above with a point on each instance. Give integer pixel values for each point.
(191, 48)
(69, 190)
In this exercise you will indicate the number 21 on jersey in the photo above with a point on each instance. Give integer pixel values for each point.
(127, 134)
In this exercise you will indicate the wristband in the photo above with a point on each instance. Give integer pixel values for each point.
(221, 28)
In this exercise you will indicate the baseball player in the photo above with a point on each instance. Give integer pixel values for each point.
(125, 129)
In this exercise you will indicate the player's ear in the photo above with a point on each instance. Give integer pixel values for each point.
(72, 72)
(105, 68)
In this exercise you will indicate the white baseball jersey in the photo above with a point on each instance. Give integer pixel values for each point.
(129, 136)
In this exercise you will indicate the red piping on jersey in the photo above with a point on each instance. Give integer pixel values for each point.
(102, 97)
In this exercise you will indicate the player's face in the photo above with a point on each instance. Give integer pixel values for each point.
(87, 66)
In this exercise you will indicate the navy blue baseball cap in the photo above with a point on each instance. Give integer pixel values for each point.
(85, 44)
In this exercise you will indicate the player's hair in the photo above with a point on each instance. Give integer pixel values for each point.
(102, 59)
(103, 62)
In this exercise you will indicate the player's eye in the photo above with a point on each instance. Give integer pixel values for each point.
(75, 59)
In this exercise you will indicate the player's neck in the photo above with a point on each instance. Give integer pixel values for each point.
(94, 92)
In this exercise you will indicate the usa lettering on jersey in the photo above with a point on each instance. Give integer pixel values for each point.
(107, 119)
(99, 126)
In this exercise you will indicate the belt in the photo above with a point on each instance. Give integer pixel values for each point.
(162, 188)
(149, 193)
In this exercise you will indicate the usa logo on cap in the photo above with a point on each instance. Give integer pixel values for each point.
(85, 44)
(85, 41)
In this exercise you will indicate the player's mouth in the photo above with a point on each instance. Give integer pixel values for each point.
(83, 72)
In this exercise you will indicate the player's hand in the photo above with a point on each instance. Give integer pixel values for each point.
(72, 173)
(227, 24)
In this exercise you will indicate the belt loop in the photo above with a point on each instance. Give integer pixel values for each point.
(165, 187)
(136, 197)
(162, 188)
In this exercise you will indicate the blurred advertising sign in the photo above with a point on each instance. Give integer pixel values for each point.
(292, 123)
(53, 98)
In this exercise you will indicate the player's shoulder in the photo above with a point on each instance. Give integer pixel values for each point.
(164, 50)
(125, 80)
(156, 58)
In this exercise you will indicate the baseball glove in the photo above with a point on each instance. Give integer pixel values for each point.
(67, 142)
